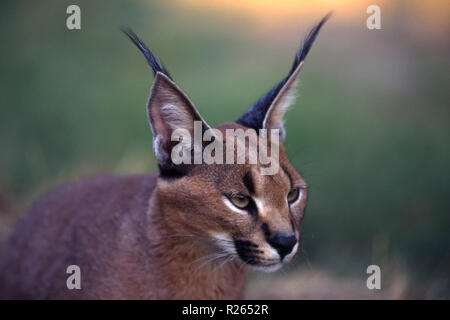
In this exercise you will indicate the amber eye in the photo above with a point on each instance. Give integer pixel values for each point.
(240, 201)
(292, 195)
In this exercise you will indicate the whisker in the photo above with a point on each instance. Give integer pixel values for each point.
(210, 260)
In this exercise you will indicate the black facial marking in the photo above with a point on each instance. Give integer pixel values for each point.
(251, 208)
(266, 231)
(170, 172)
(246, 251)
(248, 182)
(246, 244)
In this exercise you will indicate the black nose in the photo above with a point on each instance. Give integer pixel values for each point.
(283, 243)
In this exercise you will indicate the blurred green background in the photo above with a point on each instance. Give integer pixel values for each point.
(369, 131)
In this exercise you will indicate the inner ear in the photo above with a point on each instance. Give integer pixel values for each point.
(285, 97)
(170, 109)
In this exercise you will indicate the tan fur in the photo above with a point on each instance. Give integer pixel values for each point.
(138, 237)
(124, 250)
(144, 237)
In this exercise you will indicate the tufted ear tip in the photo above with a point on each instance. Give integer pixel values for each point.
(152, 60)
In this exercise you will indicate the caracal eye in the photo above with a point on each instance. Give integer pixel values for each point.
(292, 195)
(240, 201)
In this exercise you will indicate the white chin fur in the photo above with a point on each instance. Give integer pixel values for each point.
(270, 268)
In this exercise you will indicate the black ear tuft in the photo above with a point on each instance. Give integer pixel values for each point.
(153, 61)
(254, 117)
(307, 43)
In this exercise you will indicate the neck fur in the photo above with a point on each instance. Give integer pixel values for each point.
(191, 265)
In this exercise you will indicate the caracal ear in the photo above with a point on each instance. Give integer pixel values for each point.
(170, 109)
(269, 110)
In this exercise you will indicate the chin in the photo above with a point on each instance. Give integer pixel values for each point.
(267, 268)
